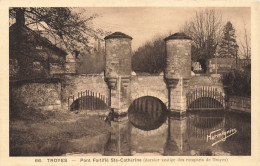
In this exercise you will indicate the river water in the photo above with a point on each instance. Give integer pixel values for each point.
(149, 129)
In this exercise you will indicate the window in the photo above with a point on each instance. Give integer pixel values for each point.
(37, 66)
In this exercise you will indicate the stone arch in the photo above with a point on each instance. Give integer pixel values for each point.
(205, 93)
(148, 85)
(74, 84)
(88, 103)
(157, 95)
(87, 100)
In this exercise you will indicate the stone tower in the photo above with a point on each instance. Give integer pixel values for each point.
(118, 69)
(178, 70)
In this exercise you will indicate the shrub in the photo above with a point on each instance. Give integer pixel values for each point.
(238, 82)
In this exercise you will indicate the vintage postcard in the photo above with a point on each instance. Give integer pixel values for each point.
(138, 83)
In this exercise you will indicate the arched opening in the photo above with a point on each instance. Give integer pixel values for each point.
(88, 103)
(204, 103)
(147, 113)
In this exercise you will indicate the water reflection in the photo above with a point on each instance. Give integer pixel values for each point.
(147, 113)
(150, 130)
(177, 141)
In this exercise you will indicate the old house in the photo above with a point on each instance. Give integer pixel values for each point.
(31, 55)
(225, 65)
(35, 65)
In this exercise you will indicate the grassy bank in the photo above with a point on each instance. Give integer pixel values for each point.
(35, 133)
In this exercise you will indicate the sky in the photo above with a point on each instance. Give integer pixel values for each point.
(144, 23)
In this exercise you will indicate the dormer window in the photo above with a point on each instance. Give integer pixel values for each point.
(39, 47)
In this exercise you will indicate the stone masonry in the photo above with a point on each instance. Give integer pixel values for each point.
(118, 69)
(171, 88)
(43, 96)
(117, 83)
(73, 84)
(178, 70)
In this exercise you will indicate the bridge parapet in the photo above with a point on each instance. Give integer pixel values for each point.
(149, 86)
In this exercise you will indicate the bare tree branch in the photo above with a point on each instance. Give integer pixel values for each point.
(66, 26)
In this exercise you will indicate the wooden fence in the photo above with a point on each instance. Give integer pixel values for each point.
(88, 100)
(205, 98)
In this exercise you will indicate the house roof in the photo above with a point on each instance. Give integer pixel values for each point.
(23, 29)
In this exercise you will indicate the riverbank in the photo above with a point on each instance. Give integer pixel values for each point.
(36, 133)
(239, 103)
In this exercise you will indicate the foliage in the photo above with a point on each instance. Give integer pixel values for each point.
(238, 82)
(150, 57)
(245, 44)
(68, 27)
(228, 47)
(93, 63)
(205, 30)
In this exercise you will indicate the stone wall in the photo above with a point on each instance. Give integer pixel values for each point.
(56, 68)
(51, 95)
(178, 96)
(28, 68)
(222, 65)
(149, 86)
(208, 82)
(178, 61)
(239, 103)
(118, 57)
(213, 81)
(39, 96)
(72, 84)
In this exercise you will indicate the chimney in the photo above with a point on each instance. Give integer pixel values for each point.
(20, 19)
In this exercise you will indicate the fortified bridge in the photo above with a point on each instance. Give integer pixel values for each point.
(119, 86)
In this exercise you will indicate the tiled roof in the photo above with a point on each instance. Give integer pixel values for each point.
(36, 35)
(177, 36)
(118, 35)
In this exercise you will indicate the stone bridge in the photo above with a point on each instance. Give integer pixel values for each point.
(122, 87)
(141, 85)
(119, 83)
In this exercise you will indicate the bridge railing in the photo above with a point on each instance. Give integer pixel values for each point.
(88, 100)
(205, 98)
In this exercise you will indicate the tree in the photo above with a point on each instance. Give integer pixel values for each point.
(205, 30)
(68, 27)
(150, 57)
(245, 44)
(228, 46)
(93, 63)
(238, 82)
